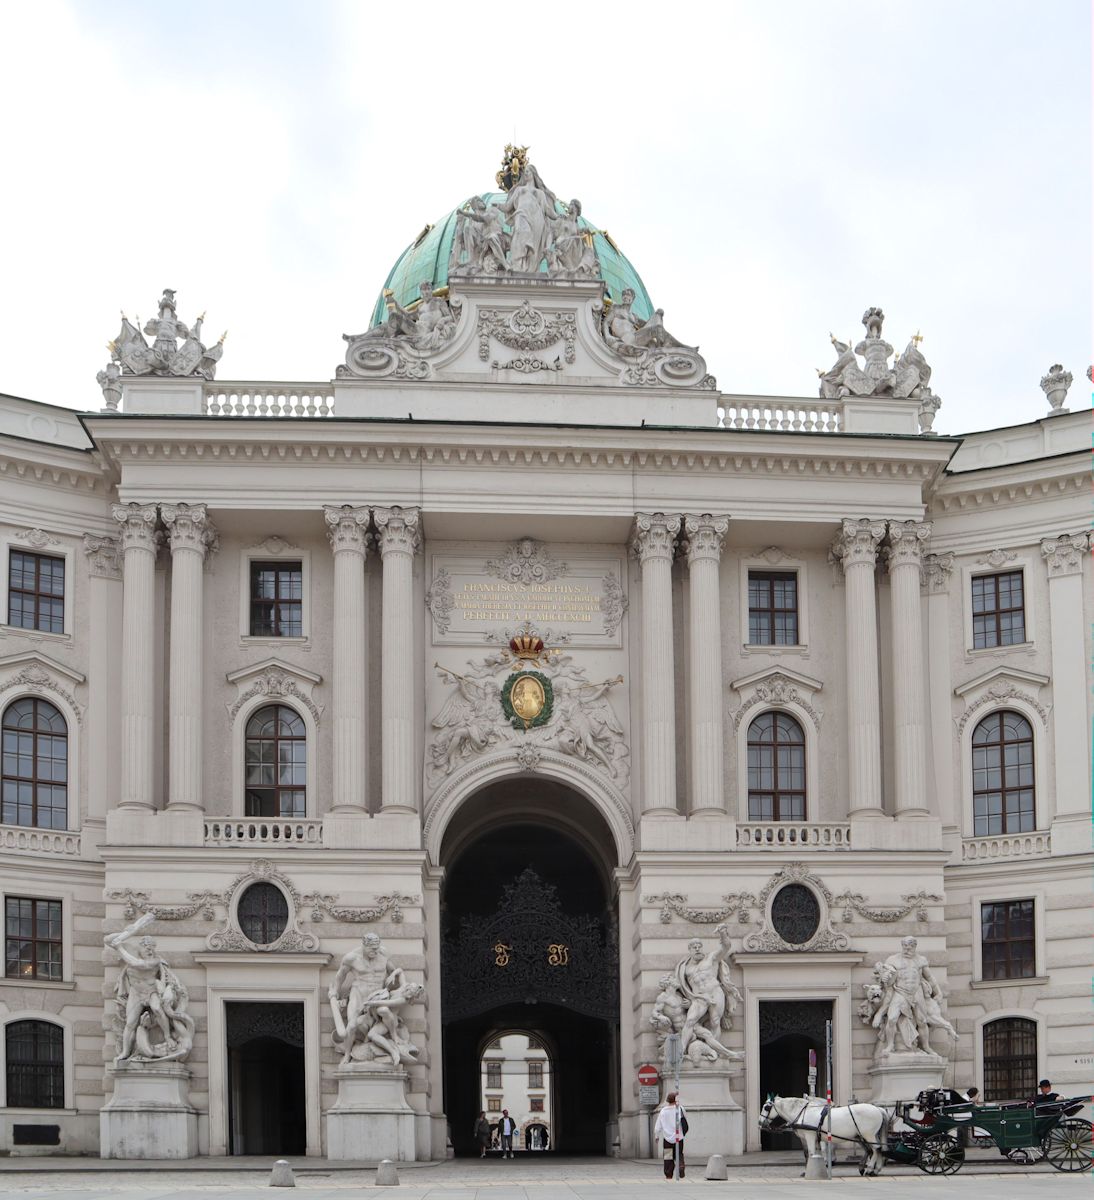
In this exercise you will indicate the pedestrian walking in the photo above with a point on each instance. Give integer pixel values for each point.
(506, 1127)
(672, 1125)
(483, 1134)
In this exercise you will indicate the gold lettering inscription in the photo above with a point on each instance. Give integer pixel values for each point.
(498, 602)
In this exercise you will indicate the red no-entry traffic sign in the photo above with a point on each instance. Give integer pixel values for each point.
(647, 1075)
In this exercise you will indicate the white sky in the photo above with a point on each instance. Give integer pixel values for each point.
(771, 169)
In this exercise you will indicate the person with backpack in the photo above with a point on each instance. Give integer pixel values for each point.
(672, 1125)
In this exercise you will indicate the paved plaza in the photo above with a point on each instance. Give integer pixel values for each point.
(552, 1179)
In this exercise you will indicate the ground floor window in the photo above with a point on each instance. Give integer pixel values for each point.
(35, 1064)
(1010, 1059)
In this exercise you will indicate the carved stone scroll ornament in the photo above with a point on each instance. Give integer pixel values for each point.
(399, 347)
(38, 538)
(231, 936)
(103, 556)
(935, 571)
(38, 679)
(527, 330)
(613, 603)
(777, 690)
(526, 561)
(275, 681)
(327, 907)
(165, 356)
(1063, 555)
(439, 600)
(650, 355)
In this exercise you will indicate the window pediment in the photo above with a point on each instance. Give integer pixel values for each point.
(38, 674)
(275, 679)
(997, 687)
(777, 687)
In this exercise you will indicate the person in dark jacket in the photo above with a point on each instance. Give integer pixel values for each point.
(483, 1134)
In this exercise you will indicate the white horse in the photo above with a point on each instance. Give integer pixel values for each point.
(866, 1124)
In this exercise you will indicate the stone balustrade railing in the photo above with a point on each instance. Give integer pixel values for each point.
(795, 835)
(268, 400)
(821, 416)
(1012, 845)
(40, 841)
(263, 831)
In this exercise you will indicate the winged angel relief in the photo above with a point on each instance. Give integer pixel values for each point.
(581, 722)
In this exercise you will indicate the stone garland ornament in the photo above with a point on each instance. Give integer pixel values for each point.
(231, 936)
(324, 906)
(737, 904)
(613, 603)
(165, 356)
(914, 902)
(528, 331)
(439, 600)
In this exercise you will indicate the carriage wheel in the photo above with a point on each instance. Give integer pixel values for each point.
(940, 1154)
(1069, 1146)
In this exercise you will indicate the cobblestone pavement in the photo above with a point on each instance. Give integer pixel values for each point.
(555, 1179)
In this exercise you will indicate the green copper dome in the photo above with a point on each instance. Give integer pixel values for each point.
(428, 256)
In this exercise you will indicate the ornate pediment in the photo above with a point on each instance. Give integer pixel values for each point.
(776, 687)
(997, 687)
(37, 674)
(275, 679)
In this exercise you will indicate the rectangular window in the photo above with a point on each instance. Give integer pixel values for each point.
(535, 1074)
(493, 1074)
(277, 599)
(1007, 940)
(1010, 1059)
(772, 608)
(32, 938)
(535, 1103)
(998, 610)
(493, 1104)
(36, 591)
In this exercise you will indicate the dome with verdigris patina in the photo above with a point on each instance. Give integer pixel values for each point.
(429, 257)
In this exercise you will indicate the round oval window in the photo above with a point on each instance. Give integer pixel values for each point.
(795, 914)
(263, 913)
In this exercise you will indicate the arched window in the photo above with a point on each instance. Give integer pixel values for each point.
(776, 769)
(276, 757)
(263, 913)
(35, 765)
(35, 1064)
(1002, 775)
(1010, 1059)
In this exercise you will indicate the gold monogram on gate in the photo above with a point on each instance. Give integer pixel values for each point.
(558, 954)
(501, 954)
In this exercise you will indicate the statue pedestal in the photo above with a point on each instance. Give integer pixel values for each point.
(716, 1122)
(902, 1075)
(149, 1115)
(371, 1119)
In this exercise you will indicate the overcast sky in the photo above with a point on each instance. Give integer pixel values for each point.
(771, 169)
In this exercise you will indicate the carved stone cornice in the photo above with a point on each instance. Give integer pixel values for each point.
(858, 542)
(398, 530)
(935, 571)
(907, 542)
(103, 556)
(138, 526)
(654, 535)
(704, 537)
(188, 528)
(1063, 555)
(347, 528)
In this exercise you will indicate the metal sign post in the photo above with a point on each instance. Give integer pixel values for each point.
(828, 1093)
(812, 1072)
(672, 1063)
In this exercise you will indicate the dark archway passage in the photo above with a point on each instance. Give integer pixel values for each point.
(266, 1078)
(789, 1029)
(530, 944)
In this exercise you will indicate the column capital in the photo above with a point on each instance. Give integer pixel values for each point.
(907, 542)
(1063, 555)
(104, 559)
(704, 537)
(347, 527)
(398, 530)
(858, 541)
(188, 528)
(654, 535)
(138, 526)
(935, 571)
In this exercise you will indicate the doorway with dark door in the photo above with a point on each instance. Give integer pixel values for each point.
(266, 1094)
(789, 1030)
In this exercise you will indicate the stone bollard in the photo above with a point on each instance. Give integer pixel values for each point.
(816, 1167)
(386, 1174)
(281, 1175)
(716, 1167)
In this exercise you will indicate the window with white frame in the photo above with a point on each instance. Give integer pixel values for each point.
(998, 610)
(277, 599)
(33, 938)
(1008, 944)
(772, 608)
(36, 591)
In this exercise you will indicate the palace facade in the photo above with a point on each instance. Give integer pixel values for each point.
(523, 646)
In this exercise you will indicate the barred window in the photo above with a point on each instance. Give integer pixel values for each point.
(276, 760)
(1003, 796)
(998, 610)
(35, 1064)
(776, 769)
(36, 591)
(773, 608)
(277, 599)
(35, 765)
(1007, 940)
(1010, 1059)
(263, 913)
(33, 941)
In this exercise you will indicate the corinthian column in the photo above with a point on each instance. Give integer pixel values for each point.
(347, 528)
(907, 541)
(397, 529)
(705, 537)
(653, 540)
(138, 539)
(190, 535)
(856, 547)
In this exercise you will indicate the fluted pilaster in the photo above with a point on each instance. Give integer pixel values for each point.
(138, 540)
(190, 535)
(907, 542)
(856, 548)
(347, 528)
(399, 538)
(654, 541)
(705, 537)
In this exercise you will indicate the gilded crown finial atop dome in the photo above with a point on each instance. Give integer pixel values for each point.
(513, 162)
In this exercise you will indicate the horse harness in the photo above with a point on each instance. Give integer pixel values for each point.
(797, 1123)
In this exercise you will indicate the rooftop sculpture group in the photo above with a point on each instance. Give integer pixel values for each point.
(909, 376)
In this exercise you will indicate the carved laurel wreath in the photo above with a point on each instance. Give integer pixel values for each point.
(544, 714)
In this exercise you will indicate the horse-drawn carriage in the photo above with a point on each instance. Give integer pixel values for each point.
(931, 1132)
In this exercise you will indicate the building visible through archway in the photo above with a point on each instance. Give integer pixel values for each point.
(529, 930)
